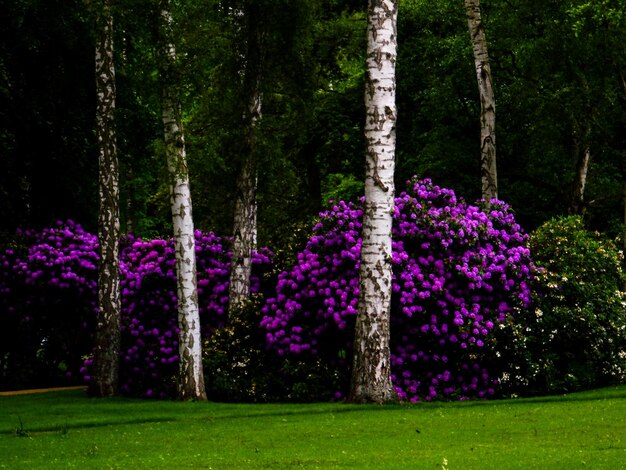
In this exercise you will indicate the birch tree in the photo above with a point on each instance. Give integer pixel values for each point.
(371, 381)
(489, 174)
(191, 377)
(106, 352)
(245, 213)
(623, 83)
(577, 204)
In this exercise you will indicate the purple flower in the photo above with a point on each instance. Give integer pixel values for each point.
(455, 275)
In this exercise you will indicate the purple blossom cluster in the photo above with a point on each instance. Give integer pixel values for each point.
(63, 256)
(149, 356)
(458, 271)
(56, 270)
(47, 299)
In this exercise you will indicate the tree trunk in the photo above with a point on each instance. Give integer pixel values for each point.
(489, 174)
(624, 217)
(623, 81)
(371, 374)
(244, 235)
(577, 205)
(106, 353)
(245, 214)
(191, 379)
(245, 217)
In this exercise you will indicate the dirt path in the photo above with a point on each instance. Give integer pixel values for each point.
(39, 390)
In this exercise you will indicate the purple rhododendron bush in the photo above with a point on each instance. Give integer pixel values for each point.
(149, 361)
(460, 271)
(47, 300)
(49, 296)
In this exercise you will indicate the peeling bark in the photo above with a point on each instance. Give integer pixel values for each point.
(371, 374)
(488, 167)
(245, 215)
(105, 376)
(191, 377)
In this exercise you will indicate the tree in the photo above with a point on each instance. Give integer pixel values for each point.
(191, 379)
(577, 206)
(106, 352)
(371, 377)
(245, 213)
(489, 173)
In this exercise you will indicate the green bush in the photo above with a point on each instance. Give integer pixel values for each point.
(575, 336)
(239, 368)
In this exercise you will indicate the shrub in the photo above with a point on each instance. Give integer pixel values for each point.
(49, 291)
(47, 299)
(459, 271)
(149, 353)
(575, 337)
(238, 367)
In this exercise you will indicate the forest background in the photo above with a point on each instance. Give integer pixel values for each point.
(558, 70)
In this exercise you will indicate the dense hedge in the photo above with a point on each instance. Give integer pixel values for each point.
(48, 304)
(464, 322)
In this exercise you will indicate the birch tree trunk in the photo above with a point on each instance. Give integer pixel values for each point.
(371, 373)
(623, 81)
(245, 214)
(624, 229)
(106, 353)
(488, 167)
(191, 377)
(577, 205)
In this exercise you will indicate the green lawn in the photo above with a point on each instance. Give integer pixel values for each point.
(68, 430)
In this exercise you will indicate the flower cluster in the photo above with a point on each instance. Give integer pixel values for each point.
(52, 278)
(47, 299)
(149, 356)
(459, 270)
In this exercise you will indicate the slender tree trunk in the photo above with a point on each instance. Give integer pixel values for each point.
(624, 219)
(577, 206)
(245, 215)
(371, 374)
(106, 354)
(191, 379)
(130, 203)
(623, 81)
(489, 174)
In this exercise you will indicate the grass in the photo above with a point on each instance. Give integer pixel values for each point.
(66, 429)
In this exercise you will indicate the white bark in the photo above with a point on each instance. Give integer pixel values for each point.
(107, 338)
(487, 101)
(371, 380)
(578, 196)
(623, 80)
(245, 217)
(245, 213)
(191, 380)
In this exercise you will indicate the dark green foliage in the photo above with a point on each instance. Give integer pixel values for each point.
(239, 368)
(438, 106)
(47, 104)
(575, 337)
